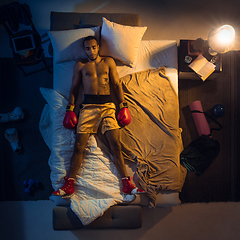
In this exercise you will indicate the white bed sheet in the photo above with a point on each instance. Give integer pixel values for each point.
(151, 54)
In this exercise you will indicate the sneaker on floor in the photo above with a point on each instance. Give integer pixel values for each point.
(66, 189)
(15, 115)
(129, 187)
(11, 135)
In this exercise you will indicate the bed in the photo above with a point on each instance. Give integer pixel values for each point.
(151, 144)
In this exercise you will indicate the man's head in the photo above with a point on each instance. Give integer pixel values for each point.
(91, 47)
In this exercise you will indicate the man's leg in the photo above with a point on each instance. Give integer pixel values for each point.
(77, 157)
(76, 161)
(113, 137)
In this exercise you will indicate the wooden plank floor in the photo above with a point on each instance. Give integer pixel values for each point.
(20, 91)
(217, 182)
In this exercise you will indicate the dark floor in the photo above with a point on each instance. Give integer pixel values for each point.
(32, 163)
(219, 181)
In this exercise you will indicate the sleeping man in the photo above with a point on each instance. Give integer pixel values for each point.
(98, 111)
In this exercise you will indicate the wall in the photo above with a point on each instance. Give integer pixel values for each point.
(166, 19)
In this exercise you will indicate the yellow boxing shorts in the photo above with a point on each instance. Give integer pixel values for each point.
(94, 116)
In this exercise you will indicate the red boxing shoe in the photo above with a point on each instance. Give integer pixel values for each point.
(66, 189)
(129, 187)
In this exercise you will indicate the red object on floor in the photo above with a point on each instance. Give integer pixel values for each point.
(199, 118)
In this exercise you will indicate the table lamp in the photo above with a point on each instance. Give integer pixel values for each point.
(220, 40)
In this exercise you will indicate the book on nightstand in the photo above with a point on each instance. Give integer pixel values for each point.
(202, 67)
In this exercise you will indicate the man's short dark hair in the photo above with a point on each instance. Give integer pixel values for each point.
(88, 38)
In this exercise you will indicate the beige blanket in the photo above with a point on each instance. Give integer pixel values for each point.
(153, 138)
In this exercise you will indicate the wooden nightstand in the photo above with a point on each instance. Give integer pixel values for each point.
(184, 72)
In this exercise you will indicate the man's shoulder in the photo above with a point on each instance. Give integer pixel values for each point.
(109, 60)
(81, 62)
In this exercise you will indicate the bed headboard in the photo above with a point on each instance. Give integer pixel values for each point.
(73, 20)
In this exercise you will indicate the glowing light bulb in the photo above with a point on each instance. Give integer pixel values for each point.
(226, 34)
(220, 39)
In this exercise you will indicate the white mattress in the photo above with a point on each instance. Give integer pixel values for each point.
(151, 54)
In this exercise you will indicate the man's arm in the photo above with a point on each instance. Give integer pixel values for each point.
(123, 117)
(114, 78)
(70, 119)
(76, 80)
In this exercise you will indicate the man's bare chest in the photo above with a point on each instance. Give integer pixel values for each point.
(93, 70)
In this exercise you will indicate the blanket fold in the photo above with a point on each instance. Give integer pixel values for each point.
(153, 138)
(97, 184)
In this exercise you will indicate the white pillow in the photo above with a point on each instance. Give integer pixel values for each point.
(120, 42)
(68, 44)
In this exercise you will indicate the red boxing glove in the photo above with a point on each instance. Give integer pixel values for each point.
(70, 119)
(124, 117)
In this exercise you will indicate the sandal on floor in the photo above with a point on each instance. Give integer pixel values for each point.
(11, 135)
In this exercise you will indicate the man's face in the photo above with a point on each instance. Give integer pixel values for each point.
(92, 49)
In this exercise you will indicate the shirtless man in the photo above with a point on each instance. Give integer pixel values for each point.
(95, 74)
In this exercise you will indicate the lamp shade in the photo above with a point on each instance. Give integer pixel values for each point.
(221, 39)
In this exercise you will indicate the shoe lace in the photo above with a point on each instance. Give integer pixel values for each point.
(67, 185)
(131, 183)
